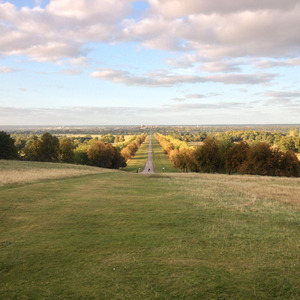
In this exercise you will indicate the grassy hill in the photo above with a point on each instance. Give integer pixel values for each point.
(25, 171)
(120, 235)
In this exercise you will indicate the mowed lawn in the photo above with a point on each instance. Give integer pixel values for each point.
(121, 235)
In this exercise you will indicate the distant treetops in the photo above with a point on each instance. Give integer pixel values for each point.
(49, 148)
(224, 156)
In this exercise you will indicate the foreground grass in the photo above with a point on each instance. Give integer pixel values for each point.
(161, 161)
(139, 160)
(25, 171)
(163, 236)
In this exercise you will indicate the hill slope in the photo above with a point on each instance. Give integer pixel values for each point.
(120, 235)
(25, 171)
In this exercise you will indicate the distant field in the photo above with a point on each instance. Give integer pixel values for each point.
(120, 235)
(195, 144)
(127, 137)
(24, 171)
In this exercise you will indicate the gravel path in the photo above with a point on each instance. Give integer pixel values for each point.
(149, 165)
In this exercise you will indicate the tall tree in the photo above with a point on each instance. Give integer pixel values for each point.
(236, 156)
(95, 153)
(207, 156)
(66, 150)
(33, 151)
(260, 160)
(8, 150)
(49, 147)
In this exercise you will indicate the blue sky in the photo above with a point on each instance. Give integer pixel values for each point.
(111, 62)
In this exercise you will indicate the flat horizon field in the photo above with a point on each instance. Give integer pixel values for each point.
(121, 235)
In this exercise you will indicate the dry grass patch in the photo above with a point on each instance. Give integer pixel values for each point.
(243, 192)
(12, 172)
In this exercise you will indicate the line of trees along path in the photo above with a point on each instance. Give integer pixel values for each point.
(149, 164)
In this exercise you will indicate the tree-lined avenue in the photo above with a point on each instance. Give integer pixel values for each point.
(149, 165)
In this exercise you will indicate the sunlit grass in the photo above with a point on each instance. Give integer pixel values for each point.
(120, 235)
(24, 171)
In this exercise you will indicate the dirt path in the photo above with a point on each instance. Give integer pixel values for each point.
(149, 165)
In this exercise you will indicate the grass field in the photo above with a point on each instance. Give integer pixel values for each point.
(139, 160)
(24, 171)
(160, 159)
(119, 235)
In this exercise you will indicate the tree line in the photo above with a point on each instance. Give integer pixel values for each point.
(284, 141)
(129, 151)
(94, 152)
(224, 156)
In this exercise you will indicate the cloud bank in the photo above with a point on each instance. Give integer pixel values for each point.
(209, 28)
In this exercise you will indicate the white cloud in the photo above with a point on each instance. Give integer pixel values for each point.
(285, 99)
(221, 66)
(211, 29)
(70, 72)
(202, 106)
(6, 70)
(193, 96)
(267, 64)
(179, 8)
(282, 94)
(95, 10)
(253, 29)
(165, 79)
(80, 61)
(60, 30)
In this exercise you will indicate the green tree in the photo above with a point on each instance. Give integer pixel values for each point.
(80, 155)
(45, 149)
(49, 147)
(290, 165)
(33, 151)
(260, 160)
(109, 138)
(105, 156)
(287, 143)
(224, 144)
(8, 150)
(236, 156)
(95, 153)
(207, 156)
(66, 150)
(118, 160)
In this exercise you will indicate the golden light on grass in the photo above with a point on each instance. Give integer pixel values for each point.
(12, 172)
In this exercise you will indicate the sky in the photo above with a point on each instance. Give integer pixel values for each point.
(155, 62)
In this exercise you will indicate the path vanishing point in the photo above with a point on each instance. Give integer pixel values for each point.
(149, 165)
